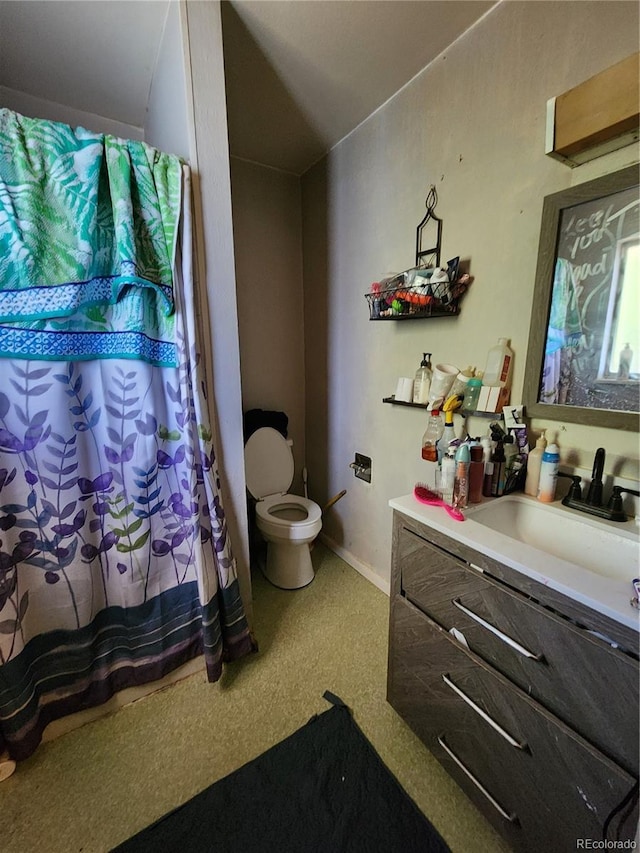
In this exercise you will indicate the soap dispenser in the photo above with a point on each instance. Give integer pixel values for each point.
(422, 382)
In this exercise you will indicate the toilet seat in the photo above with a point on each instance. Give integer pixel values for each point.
(266, 510)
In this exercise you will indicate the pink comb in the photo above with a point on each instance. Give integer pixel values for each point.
(425, 495)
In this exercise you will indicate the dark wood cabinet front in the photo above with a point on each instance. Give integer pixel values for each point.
(535, 719)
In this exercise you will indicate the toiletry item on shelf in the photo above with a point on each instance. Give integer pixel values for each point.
(476, 473)
(498, 472)
(422, 382)
(460, 382)
(461, 483)
(549, 474)
(442, 380)
(499, 364)
(487, 453)
(534, 460)
(432, 434)
(425, 495)
(448, 475)
(440, 276)
(471, 396)
(404, 390)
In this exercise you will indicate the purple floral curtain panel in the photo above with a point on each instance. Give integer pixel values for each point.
(115, 563)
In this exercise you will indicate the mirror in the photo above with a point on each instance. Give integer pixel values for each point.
(583, 361)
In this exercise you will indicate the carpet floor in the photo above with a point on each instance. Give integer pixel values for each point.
(94, 787)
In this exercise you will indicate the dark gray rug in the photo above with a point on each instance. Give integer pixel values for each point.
(322, 790)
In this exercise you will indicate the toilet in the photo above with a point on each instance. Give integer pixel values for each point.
(288, 523)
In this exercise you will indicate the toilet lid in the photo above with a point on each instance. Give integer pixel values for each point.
(268, 463)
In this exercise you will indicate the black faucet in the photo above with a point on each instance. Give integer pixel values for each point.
(594, 495)
(592, 504)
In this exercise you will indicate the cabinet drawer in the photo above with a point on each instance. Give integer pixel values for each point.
(583, 681)
(541, 785)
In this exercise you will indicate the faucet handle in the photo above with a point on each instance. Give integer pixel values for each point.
(575, 489)
(615, 501)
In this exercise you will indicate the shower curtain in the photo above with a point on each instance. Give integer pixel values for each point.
(115, 562)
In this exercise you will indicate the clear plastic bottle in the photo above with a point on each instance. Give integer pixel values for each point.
(499, 363)
(471, 395)
(422, 382)
(549, 474)
(534, 461)
(432, 434)
(460, 382)
(448, 435)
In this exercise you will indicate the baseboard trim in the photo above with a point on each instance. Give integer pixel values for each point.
(360, 567)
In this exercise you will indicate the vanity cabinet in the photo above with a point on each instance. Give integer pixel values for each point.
(514, 690)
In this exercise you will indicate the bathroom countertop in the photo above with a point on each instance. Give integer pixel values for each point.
(607, 595)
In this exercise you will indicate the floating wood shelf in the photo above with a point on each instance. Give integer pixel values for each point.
(598, 116)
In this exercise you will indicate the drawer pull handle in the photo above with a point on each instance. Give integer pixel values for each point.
(488, 719)
(512, 818)
(505, 639)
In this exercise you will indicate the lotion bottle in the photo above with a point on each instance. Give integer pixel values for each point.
(422, 382)
(534, 460)
(549, 474)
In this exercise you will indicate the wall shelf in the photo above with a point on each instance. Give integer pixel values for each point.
(425, 407)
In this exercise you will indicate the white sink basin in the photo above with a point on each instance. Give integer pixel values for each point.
(606, 548)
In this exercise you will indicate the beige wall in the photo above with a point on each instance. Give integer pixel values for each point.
(215, 262)
(268, 251)
(473, 124)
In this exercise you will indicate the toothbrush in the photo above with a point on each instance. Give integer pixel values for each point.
(425, 495)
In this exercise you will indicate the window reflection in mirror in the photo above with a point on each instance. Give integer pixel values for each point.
(620, 354)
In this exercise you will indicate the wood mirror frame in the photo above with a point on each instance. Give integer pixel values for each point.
(553, 208)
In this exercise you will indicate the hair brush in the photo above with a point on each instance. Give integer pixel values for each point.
(425, 495)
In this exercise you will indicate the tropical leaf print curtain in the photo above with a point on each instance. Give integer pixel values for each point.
(115, 562)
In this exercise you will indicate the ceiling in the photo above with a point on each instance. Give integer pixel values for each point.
(301, 74)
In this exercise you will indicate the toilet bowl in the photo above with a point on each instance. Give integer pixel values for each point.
(288, 523)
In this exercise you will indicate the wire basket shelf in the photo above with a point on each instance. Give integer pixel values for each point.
(411, 296)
